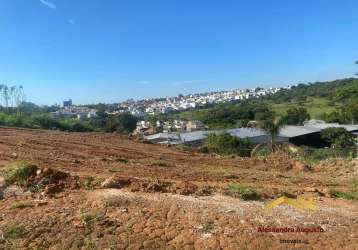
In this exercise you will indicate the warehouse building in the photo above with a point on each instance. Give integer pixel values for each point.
(308, 134)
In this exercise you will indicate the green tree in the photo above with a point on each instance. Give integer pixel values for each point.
(6, 95)
(337, 137)
(272, 129)
(262, 114)
(352, 111)
(335, 116)
(45, 121)
(296, 116)
(122, 123)
(227, 144)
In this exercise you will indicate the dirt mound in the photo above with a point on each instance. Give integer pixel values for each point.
(136, 184)
(338, 167)
(185, 188)
(32, 178)
(150, 186)
(283, 161)
(52, 181)
(116, 182)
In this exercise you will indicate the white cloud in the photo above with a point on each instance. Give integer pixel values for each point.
(72, 21)
(48, 4)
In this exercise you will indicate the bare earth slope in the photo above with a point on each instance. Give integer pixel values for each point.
(166, 198)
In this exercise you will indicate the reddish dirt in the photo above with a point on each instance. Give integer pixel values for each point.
(158, 197)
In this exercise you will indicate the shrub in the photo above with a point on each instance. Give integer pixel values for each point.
(122, 160)
(87, 218)
(45, 121)
(115, 170)
(160, 163)
(344, 195)
(74, 125)
(205, 191)
(15, 232)
(207, 228)
(226, 144)
(337, 137)
(78, 126)
(122, 123)
(296, 116)
(350, 195)
(18, 172)
(263, 150)
(15, 120)
(355, 185)
(241, 191)
(21, 205)
(314, 155)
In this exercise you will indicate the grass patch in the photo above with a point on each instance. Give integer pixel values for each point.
(182, 147)
(350, 195)
(312, 156)
(205, 191)
(315, 106)
(21, 205)
(115, 170)
(264, 150)
(231, 176)
(242, 191)
(90, 183)
(207, 228)
(225, 144)
(18, 172)
(88, 218)
(222, 171)
(129, 227)
(344, 195)
(122, 160)
(160, 163)
(15, 232)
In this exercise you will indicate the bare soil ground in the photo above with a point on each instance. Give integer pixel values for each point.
(166, 198)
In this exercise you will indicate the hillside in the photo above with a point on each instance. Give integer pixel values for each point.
(104, 191)
(335, 101)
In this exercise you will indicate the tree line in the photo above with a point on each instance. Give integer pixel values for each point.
(11, 96)
(16, 112)
(121, 123)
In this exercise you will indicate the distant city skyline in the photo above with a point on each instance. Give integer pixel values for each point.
(65, 100)
(94, 52)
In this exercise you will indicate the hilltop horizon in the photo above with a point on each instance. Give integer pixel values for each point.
(265, 86)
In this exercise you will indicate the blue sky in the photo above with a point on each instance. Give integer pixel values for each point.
(108, 51)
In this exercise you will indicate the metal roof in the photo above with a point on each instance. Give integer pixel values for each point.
(194, 136)
(238, 132)
(174, 136)
(333, 125)
(286, 132)
(246, 132)
(293, 131)
(198, 135)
